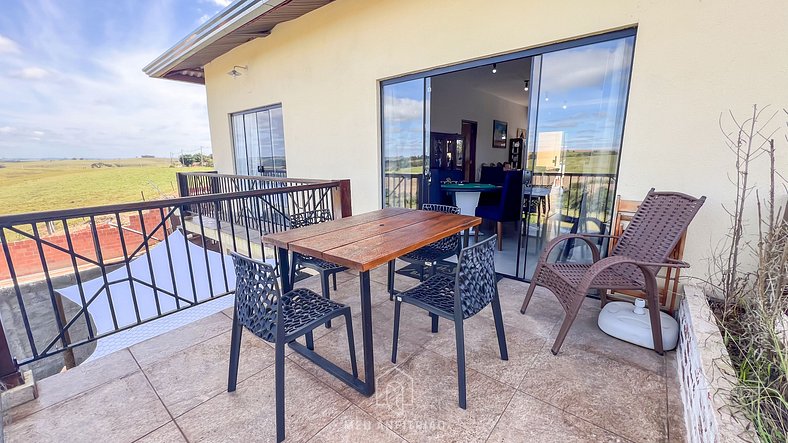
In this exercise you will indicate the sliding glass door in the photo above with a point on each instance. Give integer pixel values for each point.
(259, 142)
(405, 121)
(576, 123)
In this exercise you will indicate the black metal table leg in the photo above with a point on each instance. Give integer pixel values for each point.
(284, 270)
(466, 234)
(366, 387)
(366, 333)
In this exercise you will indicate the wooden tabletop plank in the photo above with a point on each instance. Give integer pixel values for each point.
(372, 252)
(317, 245)
(284, 238)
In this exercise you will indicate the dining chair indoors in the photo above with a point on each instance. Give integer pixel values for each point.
(457, 298)
(324, 268)
(279, 319)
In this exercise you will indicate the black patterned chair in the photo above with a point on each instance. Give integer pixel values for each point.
(431, 254)
(459, 297)
(279, 319)
(324, 268)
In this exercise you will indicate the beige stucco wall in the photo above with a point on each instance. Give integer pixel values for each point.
(693, 60)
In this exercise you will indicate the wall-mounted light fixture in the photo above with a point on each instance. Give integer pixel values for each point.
(526, 86)
(235, 72)
(495, 68)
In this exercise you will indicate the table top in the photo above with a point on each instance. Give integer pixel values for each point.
(536, 191)
(366, 241)
(468, 187)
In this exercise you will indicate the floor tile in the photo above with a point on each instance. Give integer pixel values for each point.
(355, 425)
(168, 433)
(120, 411)
(586, 335)
(621, 398)
(482, 352)
(61, 387)
(248, 414)
(195, 374)
(168, 344)
(527, 419)
(418, 400)
(677, 431)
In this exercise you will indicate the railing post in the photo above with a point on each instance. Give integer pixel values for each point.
(9, 370)
(341, 199)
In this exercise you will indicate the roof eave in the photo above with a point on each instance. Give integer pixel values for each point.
(225, 22)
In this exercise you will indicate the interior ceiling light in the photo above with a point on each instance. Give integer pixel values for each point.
(235, 72)
(526, 86)
(495, 68)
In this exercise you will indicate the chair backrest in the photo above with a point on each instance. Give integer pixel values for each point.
(493, 175)
(475, 283)
(310, 218)
(256, 296)
(656, 227)
(448, 243)
(511, 196)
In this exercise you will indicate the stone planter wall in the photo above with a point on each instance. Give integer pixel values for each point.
(706, 375)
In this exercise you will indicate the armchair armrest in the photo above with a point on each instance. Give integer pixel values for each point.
(562, 238)
(647, 268)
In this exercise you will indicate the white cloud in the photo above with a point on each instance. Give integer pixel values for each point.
(222, 3)
(38, 133)
(7, 129)
(8, 46)
(31, 73)
(204, 18)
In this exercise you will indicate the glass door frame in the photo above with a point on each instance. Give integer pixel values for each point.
(531, 52)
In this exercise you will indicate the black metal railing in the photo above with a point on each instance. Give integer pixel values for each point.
(581, 193)
(402, 190)
(150, 259)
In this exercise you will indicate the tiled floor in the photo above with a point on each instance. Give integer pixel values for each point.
(172, 388)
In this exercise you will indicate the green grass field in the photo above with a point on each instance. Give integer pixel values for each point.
(33, 186)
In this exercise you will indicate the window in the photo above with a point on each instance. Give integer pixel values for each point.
(259, 142)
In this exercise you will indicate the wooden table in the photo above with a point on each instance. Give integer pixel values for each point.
(363, 242)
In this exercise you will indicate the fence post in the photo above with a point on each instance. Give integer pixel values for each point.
(341, 199)
(9, 370)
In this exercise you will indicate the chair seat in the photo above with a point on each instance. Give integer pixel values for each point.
(302, 311)
(319, 264)
(608, 279)
(436, 295)
(429, 254)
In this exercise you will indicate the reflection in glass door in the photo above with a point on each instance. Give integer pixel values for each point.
(405, 115)
(576, 121)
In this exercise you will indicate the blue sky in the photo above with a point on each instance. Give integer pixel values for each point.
(71, 80)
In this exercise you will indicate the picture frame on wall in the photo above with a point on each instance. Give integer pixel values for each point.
(520, 133)
(500, 134)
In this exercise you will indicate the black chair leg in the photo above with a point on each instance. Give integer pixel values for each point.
(293, 271)
(397, 305)
(421, 272)
(351, 344)
(310, 341)
(434, 323)
(391, 279)
(496, 308)
(324, 288)
(280, 390)
(433, 269)
(334, 280)
(235, 353)
(460, 361)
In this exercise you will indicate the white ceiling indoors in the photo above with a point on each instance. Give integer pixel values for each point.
(507, 83)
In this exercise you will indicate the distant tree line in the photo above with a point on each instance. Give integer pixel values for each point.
(196, 160)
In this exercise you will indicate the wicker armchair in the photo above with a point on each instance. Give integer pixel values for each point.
(641, 251)
(324, 268)
(458, 297)
(279, 319)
